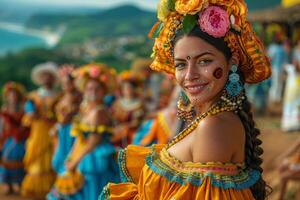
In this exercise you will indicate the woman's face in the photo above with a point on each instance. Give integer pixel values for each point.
(12, 96)
(48, 79)
(201, 69)
(67, 84)
(127, 90)
(93, 91)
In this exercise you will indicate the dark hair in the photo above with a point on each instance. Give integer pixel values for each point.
(132, 83)
(253, 151)
(70, 77)
(260, 190)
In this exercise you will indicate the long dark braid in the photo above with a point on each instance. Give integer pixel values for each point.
(253, 151)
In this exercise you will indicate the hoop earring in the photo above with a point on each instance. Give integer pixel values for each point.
(185, 108)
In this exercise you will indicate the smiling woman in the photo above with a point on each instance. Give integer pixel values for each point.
(213, 51)
(205, 61)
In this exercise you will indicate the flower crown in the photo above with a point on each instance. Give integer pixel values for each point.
(100, 72)
(220, 19)
(129, 75)
(13, 86)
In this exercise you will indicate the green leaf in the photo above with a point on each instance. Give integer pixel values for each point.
(158, 30)
(189, 22)
(171, 5)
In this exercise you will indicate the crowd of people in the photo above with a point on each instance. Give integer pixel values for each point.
(85, 132)
(61, 140)
(282, 89)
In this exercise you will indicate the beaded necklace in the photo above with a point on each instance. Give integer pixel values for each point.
(222, 106)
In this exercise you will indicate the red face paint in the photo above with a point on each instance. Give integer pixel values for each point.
(218, 73)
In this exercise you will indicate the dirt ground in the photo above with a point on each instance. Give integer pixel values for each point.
(274, 143)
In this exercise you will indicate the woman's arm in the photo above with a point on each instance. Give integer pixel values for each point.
(290, 151)
(99, 117)
(92, 141)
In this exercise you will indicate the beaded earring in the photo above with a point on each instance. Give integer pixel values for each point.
(233, 94)
(185, 108)
(234, 85)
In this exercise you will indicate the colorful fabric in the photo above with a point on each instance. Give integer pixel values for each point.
(13, 138)
(143, 131)
(291, 107)
(65, 142)
(154, 174)
(258, 95)
(159, 133)
(39, 147)
(97, 167)
(12, 170)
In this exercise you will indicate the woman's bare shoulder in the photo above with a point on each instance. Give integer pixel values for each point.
(216, 138)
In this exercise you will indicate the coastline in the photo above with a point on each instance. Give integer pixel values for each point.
(50, 38)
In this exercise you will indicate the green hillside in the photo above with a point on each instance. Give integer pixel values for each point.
(120, 21)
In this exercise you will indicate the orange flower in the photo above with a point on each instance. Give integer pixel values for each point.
(189, 6)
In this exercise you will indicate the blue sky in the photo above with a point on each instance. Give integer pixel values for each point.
(147, 4)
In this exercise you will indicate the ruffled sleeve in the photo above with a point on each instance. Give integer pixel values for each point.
(132, 160)
(124, 191)
(78, 129)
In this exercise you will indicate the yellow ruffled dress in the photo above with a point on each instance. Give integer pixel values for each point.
(39, 148)
(152, 173)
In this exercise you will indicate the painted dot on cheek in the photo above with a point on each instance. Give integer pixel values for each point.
(218, 73)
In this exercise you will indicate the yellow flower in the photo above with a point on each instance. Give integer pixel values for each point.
(162, 10)
(189, 6)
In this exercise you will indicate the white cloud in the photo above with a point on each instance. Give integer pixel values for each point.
(148, 4)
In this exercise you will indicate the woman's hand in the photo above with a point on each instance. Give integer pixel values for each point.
(283, 165)
(54, 130)
(71, 165)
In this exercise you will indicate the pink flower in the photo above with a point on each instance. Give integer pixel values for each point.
(94, 72)
(214, 21)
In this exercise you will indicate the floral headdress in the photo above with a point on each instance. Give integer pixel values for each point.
(13, 86)
(97, 71)
(129, 75)
(218, 18)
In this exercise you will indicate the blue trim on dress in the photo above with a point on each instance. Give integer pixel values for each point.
(244, 179)
(124, 174)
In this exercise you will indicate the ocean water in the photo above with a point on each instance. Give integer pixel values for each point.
(12, 42)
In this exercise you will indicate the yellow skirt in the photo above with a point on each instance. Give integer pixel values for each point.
(37, 161)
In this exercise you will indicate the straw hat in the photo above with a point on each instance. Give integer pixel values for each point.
(38, 70)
